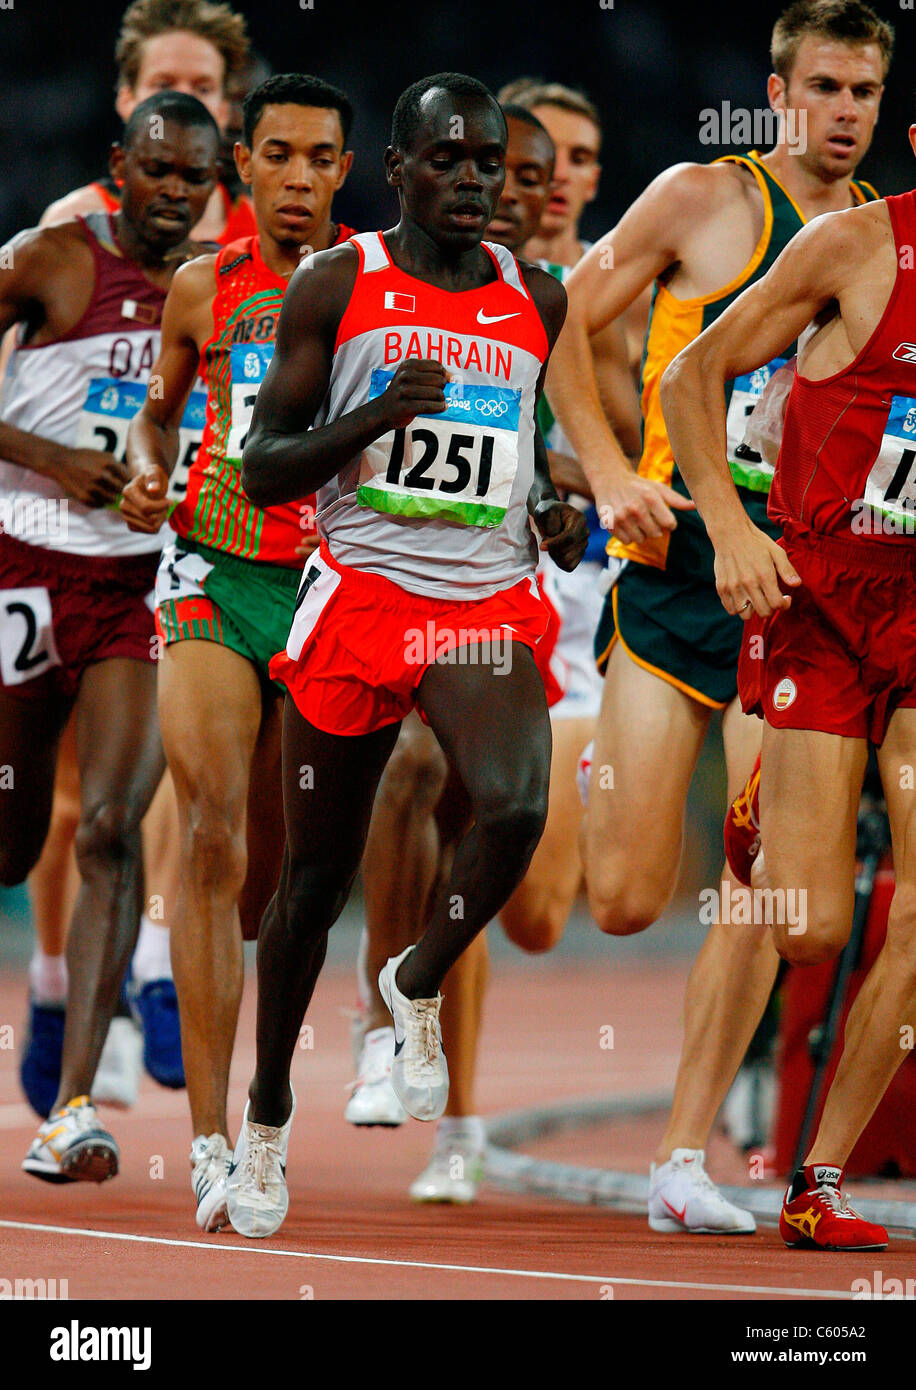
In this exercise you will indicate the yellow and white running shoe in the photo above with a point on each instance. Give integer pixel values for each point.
(72, 1146)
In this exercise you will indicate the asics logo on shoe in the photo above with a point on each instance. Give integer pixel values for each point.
(805, 1221)
(824, 1174)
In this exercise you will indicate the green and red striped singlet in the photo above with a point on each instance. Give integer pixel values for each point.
(215, 511)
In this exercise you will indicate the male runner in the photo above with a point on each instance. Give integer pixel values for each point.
(423, 592)
(199, 48)
(191, 46)
(703, 233)
(419, 814)
(536, 913)
(227, 583)
(76, 629)
(829, 652)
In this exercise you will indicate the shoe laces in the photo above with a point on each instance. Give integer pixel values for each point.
(700, 1178)
(263, 1160)
(422, 1026)
(78, 1113)
(837, 1201)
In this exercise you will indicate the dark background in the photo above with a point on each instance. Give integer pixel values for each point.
(650, 66)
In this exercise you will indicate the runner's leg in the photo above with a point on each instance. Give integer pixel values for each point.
(210, 710)
(728, 987)
(120, 764)
(402, 852)
(266, 834)
(327, 823)
(537, 912)
(647, 744)
(880, 1025)
(495, 732)
(30, 731)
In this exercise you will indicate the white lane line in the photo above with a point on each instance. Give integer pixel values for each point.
(426, 1264)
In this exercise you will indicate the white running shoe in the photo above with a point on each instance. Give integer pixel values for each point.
(72, 1146)
(453, 1173)
(117, 1077)
(256, 1196)
(210, 1162)
(683, 1197)
(419, 1072)
(373, 1101)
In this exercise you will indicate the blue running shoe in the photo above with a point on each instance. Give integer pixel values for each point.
(155, 1007)
(39, 1070)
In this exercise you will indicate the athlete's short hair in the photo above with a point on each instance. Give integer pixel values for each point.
(178, 107)
(294, 89)
(847, 21)
(145, 19)
(521, 113)
(406, 119)
(534, 91)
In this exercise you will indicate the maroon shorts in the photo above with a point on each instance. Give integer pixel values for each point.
(60, 613)
(842, 658)
(359, 644)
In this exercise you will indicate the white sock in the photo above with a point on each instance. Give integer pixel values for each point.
(48, 978)
(152, 960)
(469, 1129)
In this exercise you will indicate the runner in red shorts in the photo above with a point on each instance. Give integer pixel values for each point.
(829, 652)
(76, 621)
(418, 356)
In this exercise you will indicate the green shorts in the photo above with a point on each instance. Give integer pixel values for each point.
(207, 595)
(671, 621)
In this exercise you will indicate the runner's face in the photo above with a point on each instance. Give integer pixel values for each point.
(295, 166)
(167, 182)
(178, 61)
(838, 86)
(451, 177)
(576, 170)
(529, 165)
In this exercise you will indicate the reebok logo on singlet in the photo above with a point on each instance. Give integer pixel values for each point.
(906, 352)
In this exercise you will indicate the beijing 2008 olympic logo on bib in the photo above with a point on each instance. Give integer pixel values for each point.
(784, 694)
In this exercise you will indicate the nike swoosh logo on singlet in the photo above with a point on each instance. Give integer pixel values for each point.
(495, 318)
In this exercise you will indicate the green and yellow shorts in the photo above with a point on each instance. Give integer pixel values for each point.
(671, 621)
(207, 595)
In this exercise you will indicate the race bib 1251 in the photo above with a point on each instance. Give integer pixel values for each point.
(457, 466)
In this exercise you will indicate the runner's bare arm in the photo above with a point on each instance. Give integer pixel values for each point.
(36, 288)
(610, 277)
(562, 527)
(283, 458)
(79, 201)
(152, 440)
(810, 274)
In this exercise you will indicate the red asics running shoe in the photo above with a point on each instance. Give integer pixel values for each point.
(820, 1218)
